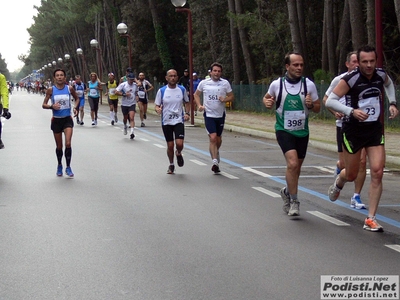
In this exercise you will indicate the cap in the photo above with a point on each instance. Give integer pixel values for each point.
(131, 76)
(129, 69)
(111, 74)
(186, 70)
(195, 74)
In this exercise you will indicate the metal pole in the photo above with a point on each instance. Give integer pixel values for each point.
(190, 37)
(379, 51)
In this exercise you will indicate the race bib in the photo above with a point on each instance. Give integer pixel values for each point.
(294, 120)
(79, 93)
(93, 93)
(63, 100)
(112, 91)
(142, 94)
(371, 107)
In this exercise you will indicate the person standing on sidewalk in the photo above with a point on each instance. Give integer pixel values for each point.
(94, 90)
(294, 97)
(60, 96)
(144, 86)
(185, 80)
(355, 201)
(128, 91)
(3, 103)
(80, 88)
(216, 92)
(112, 97)
(169, 103)
(362, 127)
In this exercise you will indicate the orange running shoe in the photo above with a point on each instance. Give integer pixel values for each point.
(371, 224)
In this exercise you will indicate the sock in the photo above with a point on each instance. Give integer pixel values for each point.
(131, 130)
(215, 161)
(293, 197)
(68, 155)
(355, 195)
(112, 115)
(59, 154)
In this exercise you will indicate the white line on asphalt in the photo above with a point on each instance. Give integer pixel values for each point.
(265, 191)
(256, 172)
(328, 218)
(159, 146)
(394, 247)
(197, 162)
(228, 175)
(324, 169)
(145, 140)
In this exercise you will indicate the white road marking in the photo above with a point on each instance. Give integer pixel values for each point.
(256, 172)
(265, 191)
(159, 146)
(228, 175)
(197, 162)
(394, 247)
(328, 218)
(145, 140)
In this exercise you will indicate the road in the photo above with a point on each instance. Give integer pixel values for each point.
(124, 229)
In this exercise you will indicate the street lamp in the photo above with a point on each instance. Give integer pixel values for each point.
(60, 61)
(67, 59)
(95, 44)
(122, 30)
(179, 8)
(54, 63)
(79, 51)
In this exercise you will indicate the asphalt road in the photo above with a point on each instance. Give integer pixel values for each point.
(124, 229)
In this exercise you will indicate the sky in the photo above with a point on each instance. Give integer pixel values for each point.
(16, 17)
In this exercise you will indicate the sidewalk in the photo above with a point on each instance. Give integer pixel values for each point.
(322, 134)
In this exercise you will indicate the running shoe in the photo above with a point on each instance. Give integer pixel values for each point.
(132, 136)
(144, 116)
(179, 159)
(59, 170)
(1, 144)
(294, 208)
(112, 122)
(215, 169)
(68, 172)
(334, 191)
(371, 224)
(116, 118)
(286, 200)
(77, 121)
(125, 130)
(82, 123)
(171, 169)
(93, 123)
(357, 203)
(142, 125)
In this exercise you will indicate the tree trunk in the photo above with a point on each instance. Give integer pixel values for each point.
(294, 26)
(234, 43)
(371, 22)
(344, 43)
(244, 42)
(358, 33)
(397, 9)
(330, 36)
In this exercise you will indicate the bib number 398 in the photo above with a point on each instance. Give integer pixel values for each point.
(294, 120)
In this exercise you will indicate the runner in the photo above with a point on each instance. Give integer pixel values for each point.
(60, 96)
(168, 103)
(144, 87)
(294, 97)
(216, 92)
(112, 97)
(80, 88)
(94, 89)
(362, 127)
(128, 91)
(3, 103)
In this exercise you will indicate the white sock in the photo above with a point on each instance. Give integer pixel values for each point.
(215, 161)
(111, 115)
(131, 130)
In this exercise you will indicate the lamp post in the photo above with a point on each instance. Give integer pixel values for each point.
(95, 44)
(179, 8)
(122, 30)
(79, 51)
(60, 61)
(67, 59)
